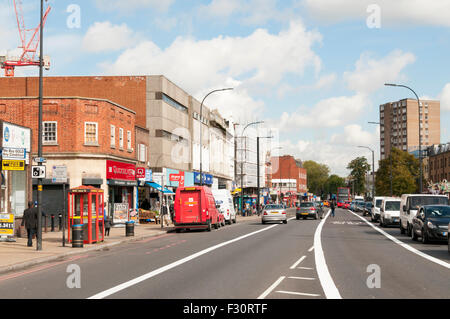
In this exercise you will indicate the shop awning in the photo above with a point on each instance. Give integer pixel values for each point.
(159, 188)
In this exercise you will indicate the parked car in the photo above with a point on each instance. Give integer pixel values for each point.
(367, 208)
(326, 203)
(411, 203)
(195, 208)
(359, 206)
(340, 203)
(390, 211)
(225, 202)
(274, 212)
(307, 209)
(375, 212)
(431, 223)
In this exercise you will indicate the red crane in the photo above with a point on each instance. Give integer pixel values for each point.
(29, 44)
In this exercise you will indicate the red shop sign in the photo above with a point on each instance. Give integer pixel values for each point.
(118, 170)
(140, 172)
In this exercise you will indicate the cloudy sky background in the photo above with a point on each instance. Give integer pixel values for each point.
(311, 69)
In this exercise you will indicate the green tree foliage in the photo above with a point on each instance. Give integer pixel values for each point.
(317, 175)
(405, 172)
(359, 168)
(332, 184)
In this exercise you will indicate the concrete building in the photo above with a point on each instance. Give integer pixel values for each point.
(399, 125)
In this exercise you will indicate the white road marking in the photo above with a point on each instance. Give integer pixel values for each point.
(302, 278)
(269, 290)
(406, 246)
(328, 286)
(297, 293)
(158, 271)
(297, 262)
(306, 268)
(311, 249)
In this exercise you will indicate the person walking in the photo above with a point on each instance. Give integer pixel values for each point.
(332, 206)
(30, 221)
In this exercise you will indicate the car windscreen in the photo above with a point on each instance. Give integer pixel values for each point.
(274, 207)
(417, 201)
(368, 204)
(392, 206)
(306, 205)
(378, 203)
(438, 212)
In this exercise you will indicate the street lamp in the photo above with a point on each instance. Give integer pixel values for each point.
(201, 131)
(279, 168)
(257, 171)
(373, 169)
(420, 130)
(242, 168)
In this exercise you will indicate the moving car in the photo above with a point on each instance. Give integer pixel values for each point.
(390, 211)
(375, 212)
(340, 203)
(274, 212)
(347, 204)
(359, 206)
(367, 208)
(195, 208)
(307, 209)
(411, 203)
(326, 203)
(431, 223)
(225, 203)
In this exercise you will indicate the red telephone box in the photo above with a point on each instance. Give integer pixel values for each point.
(86, 207)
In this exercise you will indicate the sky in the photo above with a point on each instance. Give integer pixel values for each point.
(312, 70)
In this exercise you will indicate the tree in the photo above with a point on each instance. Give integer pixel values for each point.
(317, 175)
(332, 184)
(405, 172)
(359, 168)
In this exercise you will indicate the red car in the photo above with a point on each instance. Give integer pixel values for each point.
(340, 204)
(347, 204)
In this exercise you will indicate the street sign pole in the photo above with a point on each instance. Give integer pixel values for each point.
(64, 217)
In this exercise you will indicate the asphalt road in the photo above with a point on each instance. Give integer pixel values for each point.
(246, 260)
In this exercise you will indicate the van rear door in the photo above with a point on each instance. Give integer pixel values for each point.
(190, 207)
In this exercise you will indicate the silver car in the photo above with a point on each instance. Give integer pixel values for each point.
(274, 213)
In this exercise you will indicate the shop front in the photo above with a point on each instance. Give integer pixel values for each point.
(122, 190)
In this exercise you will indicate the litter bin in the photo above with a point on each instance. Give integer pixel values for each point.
(77, 236)
(129, 229)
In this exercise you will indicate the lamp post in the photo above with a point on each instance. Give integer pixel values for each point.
(242, 166)
(201, 131)
(373, 169)
(279, 168)
(420, 130)
(258, 173)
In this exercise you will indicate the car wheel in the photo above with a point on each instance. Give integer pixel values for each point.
(413, 235)
(263, 222)
(304, 218)
(408, 229)
(381, 222)
(425, 239)
(402, 230)
(297, 217)
(315, 216)
(284, 221)
(208, 228)
(178, 230)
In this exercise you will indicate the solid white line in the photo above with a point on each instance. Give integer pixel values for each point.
(306, 268)
(298, 262)
(328, 286)
(406, 246)
(302, 278)
(269, 290)
(158, 271)
(311, 249)
(297, 293)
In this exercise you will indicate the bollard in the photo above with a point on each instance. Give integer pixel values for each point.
(77, 236)
(129, 229)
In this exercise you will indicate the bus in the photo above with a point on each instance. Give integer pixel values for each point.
(343, 195)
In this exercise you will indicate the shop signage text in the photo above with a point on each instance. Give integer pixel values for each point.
(6, 224)
(13, 165)
(14, 153)
(119, 170)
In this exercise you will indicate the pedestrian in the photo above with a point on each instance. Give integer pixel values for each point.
(332, 206)
(30, 216)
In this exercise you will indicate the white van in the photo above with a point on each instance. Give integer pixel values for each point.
(225, 202)
(409, 205)
(375, 214)
(390, 211)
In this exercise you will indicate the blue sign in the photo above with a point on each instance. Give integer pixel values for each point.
(207, 178)
(148, 175)
(6, 136)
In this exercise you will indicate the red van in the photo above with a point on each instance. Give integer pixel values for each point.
(195, 208)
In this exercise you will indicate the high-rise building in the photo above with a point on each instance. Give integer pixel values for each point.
(399, 126)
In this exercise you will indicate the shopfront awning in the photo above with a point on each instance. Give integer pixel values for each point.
(159, 188)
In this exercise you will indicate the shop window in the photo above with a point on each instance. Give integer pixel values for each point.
(91, 133)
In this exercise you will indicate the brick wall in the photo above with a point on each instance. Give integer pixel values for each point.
(288, 169)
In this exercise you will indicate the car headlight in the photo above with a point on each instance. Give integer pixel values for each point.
(431, 225)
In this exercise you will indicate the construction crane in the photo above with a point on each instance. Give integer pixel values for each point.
(29, 44)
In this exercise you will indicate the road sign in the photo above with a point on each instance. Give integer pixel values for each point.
(59, 174)
(39, 160)
(13, 165)
(14, 153)
(38, 172)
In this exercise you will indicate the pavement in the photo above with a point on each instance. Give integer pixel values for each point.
(16, 255)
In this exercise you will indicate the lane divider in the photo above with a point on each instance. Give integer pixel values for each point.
(269, 290)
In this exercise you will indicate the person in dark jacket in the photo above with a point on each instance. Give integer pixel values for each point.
(332, 206)
(30, 216)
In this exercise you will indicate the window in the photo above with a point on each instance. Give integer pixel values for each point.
(121, 138)
(50, 130)
(142, 153)
(113, 136)
(129, 140)
(174, 103)
(91, 133)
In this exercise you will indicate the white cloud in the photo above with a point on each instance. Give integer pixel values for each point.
(444, 97)
(371, 74)
(104, 36)
(132, 5)
(398, 12)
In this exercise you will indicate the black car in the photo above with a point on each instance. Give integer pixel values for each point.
(431, 223)
(367, 208)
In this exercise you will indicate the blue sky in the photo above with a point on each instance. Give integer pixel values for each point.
(311, 69)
